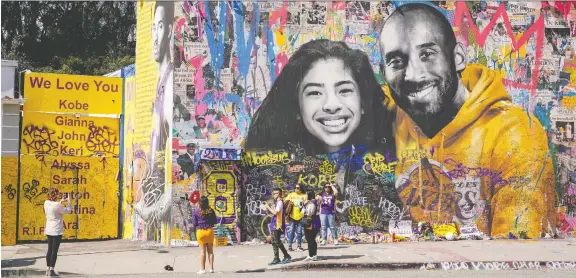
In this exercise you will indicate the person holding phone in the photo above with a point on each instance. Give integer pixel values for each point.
(54, 229)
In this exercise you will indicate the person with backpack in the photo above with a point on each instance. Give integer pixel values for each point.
(297, 199)
(277, 227)
(328, 214)
(311, 223)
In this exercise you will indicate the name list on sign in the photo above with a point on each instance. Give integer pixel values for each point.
(61, 84)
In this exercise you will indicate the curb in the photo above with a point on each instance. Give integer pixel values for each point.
(484, 265)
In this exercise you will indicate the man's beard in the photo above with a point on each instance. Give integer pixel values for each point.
(445, 91)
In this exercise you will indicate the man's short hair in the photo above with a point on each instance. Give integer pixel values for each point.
(279, 190)
(191, 145)
(168, 10)
(445, 27)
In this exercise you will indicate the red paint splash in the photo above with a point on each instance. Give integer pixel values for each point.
(563, 7)
(537, 28)
(281, 61)
(281, 14)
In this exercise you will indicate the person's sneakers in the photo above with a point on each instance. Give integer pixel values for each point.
(48, 272)
(300, 248)
(275, 262)
(336, 242)
(286, 260)
(315, 258)
(308, 258)
(290, 248)
(201, 272)
(54, 274)
(323, 242)
(211, 270)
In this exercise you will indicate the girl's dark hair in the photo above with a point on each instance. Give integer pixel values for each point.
(311, 195)
(275, 124)
(205, 206)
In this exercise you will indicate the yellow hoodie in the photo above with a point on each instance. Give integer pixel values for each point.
(490, 164)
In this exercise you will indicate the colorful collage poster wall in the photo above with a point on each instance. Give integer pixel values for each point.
(316, 95)
(70, 141)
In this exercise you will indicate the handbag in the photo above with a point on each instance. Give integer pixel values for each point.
(307, 219)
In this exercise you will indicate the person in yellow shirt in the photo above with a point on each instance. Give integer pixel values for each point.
(298, 198)
(466, 153)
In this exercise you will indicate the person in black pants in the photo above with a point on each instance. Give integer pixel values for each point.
(278, 226)
(54, 229)
(311, 230)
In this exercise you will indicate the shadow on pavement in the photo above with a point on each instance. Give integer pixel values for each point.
(342, 257)
(332, 247)
(19, 262)
(34, 273)
(251, 270)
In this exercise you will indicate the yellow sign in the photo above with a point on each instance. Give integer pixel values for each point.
(91, 184)
(72, 93)
(9, 198)
(61, 134)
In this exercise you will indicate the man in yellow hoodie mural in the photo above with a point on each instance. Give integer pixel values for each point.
(466, 153)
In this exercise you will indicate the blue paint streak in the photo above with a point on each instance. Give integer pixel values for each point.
(244, 48)
(571, 94)
(216, 46)
(542, 113)
(271, 54)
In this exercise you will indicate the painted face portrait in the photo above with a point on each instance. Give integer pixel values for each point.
(325, 100)
(418, 65)
(330, 105)
(159, 34)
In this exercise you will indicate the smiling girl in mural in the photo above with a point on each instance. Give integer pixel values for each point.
(325, 99)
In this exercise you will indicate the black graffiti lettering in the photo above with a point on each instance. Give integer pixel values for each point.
(102, 139)
(11, 192)
(38, 140)
(31, 190)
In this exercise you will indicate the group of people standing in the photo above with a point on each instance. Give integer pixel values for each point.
(307, 213)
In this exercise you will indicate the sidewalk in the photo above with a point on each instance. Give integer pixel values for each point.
(119, 257)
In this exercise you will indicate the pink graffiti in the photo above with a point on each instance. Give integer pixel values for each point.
(536, 29)
(568, 222)
(281, 14)
(337, 6)
(281, 61)
(179, 25)
(561, 6)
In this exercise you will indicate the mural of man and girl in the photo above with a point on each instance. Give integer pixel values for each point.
(470, 140)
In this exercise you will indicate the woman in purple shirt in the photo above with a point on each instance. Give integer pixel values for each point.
(327, 214)
(204, 220)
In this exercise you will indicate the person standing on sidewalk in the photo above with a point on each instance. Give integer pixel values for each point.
(312, 226)
(298, 199)
(328, 213)
(54, 211)
(204, 221)
(277, 227)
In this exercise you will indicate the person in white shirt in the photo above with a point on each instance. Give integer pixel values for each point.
(54, 229)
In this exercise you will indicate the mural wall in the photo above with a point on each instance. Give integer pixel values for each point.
(467, 118)
(149, 119)
(64, 146)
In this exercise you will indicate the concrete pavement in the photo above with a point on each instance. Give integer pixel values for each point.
(124, 257)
